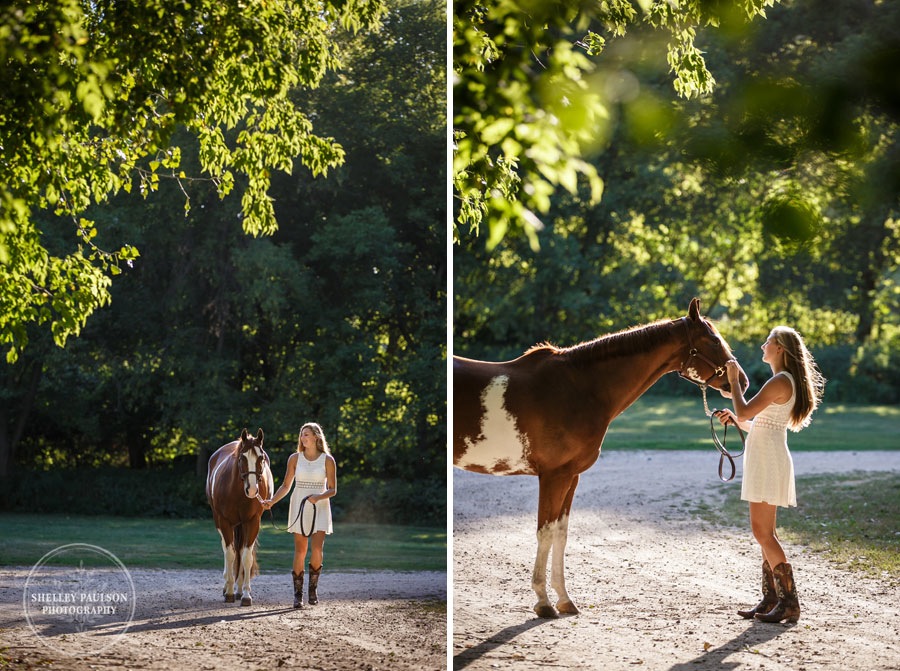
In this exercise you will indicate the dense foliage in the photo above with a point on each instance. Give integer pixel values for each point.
(774, 198)
(530, 108)
(338, 317)
(93, 94)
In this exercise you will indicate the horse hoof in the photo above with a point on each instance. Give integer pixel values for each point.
(545, 611)
(567, 607)
(229, 598)
(247, 601)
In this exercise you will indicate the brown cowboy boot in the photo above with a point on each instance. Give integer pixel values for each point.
(788, 606)
(314, 584)
(298, 589)
(769, 596)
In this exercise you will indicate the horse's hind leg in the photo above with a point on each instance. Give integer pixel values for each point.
(557, 568)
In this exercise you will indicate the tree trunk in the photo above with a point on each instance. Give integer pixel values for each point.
(5, 444)
(137, 451)
(12, 428)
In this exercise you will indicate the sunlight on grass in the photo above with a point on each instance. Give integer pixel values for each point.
(877, 410)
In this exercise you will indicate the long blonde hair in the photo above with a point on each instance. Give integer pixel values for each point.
(809, 380)
(321, 443)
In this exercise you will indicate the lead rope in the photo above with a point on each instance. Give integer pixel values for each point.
(720, 444)
(312, 527)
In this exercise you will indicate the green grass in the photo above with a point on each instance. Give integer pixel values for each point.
(665, 423)
(168, 543)
(851, 518)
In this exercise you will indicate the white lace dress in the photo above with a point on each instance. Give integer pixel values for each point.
(768, 474)
(310, 478)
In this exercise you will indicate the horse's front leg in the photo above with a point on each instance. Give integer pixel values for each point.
(558, 567)
(554, 500)
(228, 574)
(245, 573)
(250, 532)
(539, 575)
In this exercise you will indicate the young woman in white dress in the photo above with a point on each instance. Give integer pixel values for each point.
(312, 472)
(786, 401)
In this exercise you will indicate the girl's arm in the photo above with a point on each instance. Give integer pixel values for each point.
(286, 484)
(330, 481)
(776, 390)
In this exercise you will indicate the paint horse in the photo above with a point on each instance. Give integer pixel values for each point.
(239, 475)
(546, 414)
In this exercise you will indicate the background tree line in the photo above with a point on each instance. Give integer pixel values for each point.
(339, 317)
(774, 198)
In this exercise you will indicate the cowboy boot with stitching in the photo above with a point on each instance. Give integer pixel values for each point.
(314, 584)
(769, 596)
(788, 606)
(298, 589)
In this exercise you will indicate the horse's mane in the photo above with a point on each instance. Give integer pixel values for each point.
(626, 342)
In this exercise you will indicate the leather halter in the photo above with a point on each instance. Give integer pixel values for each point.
(694, 353)
(718, 371)
(259, 469)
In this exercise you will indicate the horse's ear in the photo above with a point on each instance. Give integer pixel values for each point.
(694, 310)
(244, 434)
(259, 436)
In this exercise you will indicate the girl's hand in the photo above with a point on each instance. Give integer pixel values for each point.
(733, 370)
(726, 417)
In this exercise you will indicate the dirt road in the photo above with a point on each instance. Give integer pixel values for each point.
(657, 586)
(365, 620)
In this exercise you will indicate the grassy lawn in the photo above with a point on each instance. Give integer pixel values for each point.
(194, 543)
(663, 423)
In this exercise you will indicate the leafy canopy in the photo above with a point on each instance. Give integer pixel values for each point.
(93, 94)
(529, 110)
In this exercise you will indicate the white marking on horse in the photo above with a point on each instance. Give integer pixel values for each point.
(500, 448)
(215, 474)
(242, 580)
(251, 487)
(691, 373)
(552, 536)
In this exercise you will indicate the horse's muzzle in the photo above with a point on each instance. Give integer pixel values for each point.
(725, 387)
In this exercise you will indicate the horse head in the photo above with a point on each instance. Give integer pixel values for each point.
(252, 462)
(706, 353)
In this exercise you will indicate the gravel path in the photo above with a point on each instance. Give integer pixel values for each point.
(364, 620)
(657, 586)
